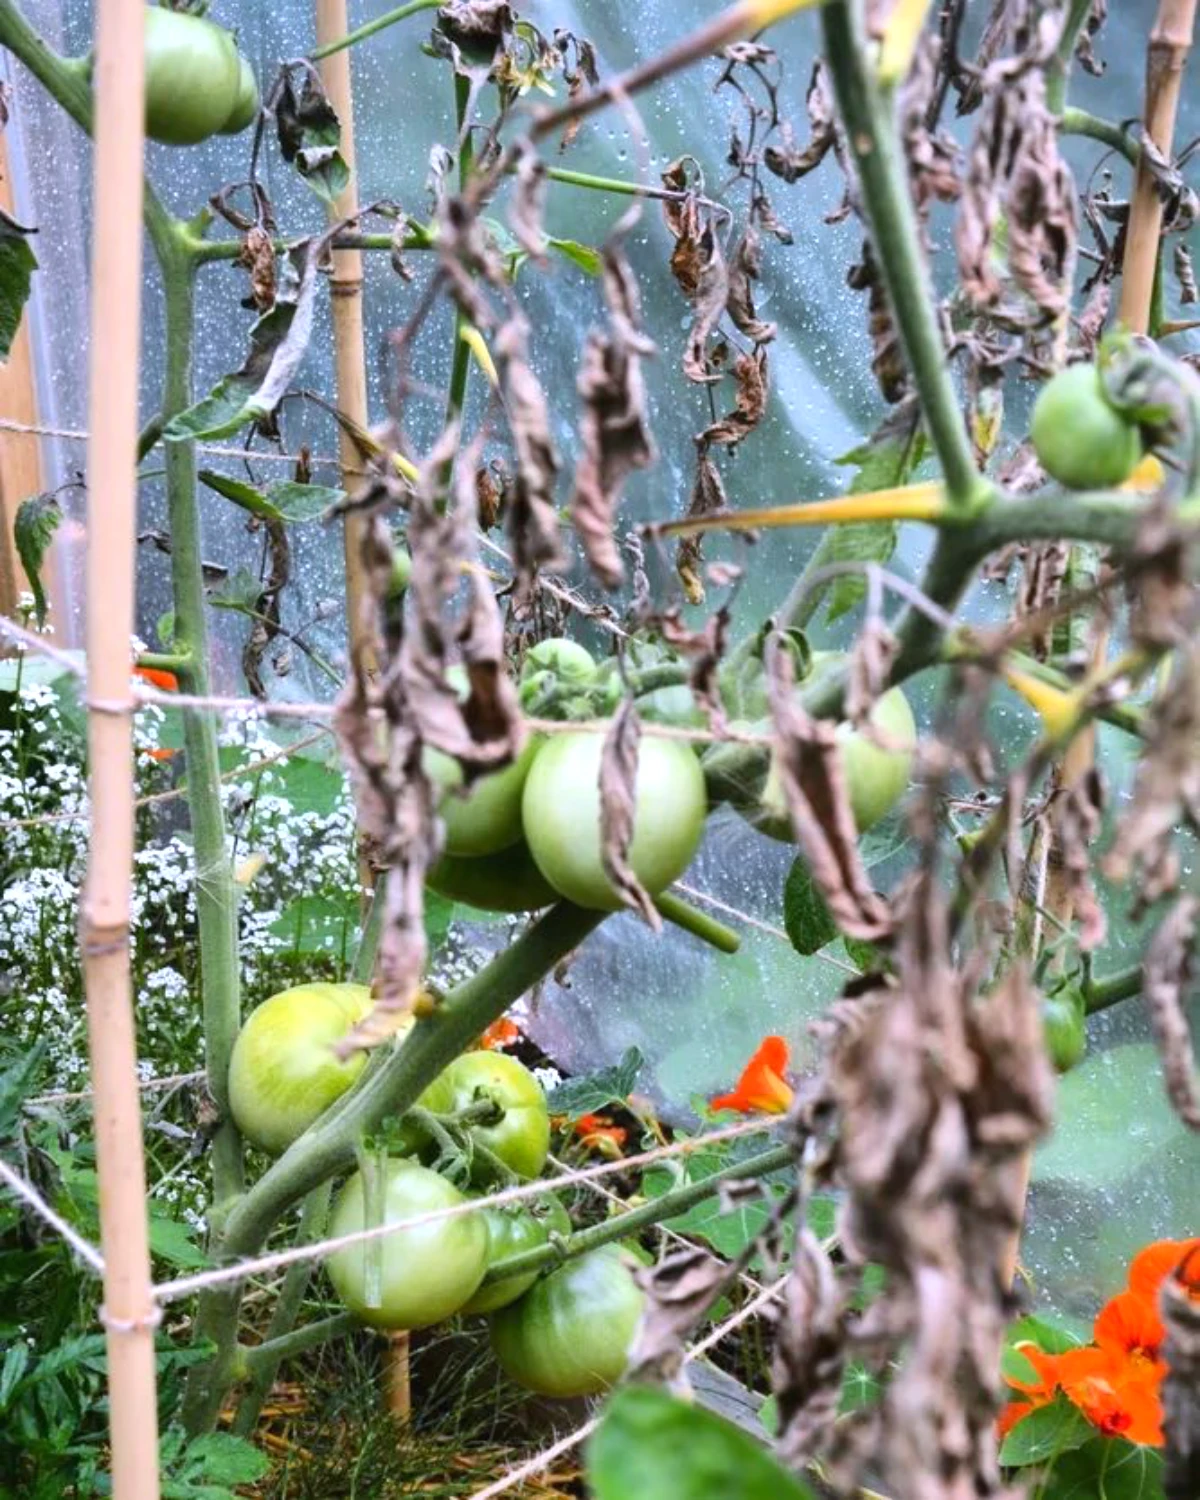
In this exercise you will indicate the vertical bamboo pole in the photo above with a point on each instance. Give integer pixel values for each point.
(351, 382)
(346, 289)
(1166, 58)
(129, 1310)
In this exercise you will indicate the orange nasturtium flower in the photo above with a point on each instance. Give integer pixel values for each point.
(598, 1133)
(499, 1034)
(1116, 1380)
(762, 1088)
(167, 682)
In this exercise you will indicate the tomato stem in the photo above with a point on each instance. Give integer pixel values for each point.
(683, 914)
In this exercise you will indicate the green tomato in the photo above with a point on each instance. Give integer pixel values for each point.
(569, 662)
(487, 817)
(193, 77)
(245, 106)
(1064, 1027)
(427, 1272)
(877, 778)
(283, 1072)
(1079, 438)
(512, 1229)
(561, 809)
(571, 1333)
(676, 706)
(507, 881)
(521, 1139)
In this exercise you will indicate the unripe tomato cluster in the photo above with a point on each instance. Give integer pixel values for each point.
(197, 83)
(566, 1333)
(1079, 437)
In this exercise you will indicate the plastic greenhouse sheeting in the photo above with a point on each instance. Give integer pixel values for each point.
(1109, 1180)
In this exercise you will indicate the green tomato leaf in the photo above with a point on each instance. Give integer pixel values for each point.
(222, 1459)
(319, 925)
(283, 500)
(584, 256)
(278, 342)
(17, 265)
(887, 458)
(807, 919)
(1110, 1468)
(584, 1096)
(652, 1444)
(1045, 1433)
(34, 525)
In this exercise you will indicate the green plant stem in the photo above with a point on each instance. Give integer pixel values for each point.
(1100, 994)
(165, 661)
(1081, 122)
(216, 897)
(460, 355)
(684, 915)
(149, 436)
(1060, 65)
(392, 1088)
(313, 1218)
(656, 1211)
(389, 18)
(870, 127)
(274, 1351)
(416, 238)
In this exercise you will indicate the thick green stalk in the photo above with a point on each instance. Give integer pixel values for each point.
(1060, 65)
(1081, 122)
(262, 1372)
(389, 18)
(274, 1351)
(870, 127)
(1100, 994)
(328, 1147)
(621, 1225)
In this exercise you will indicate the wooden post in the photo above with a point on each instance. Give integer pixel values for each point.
(129, 1312)
(1166, 58)
(346, 290)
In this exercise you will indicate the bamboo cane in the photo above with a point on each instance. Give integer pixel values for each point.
(129, 1312)
(346, 290)
(1166, 58)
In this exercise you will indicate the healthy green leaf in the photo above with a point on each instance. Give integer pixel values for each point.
(17, 265)
(283, 500)
(727, 1231)
(1046, 1432)
(221, 1458)
(319, 924)
(17, 1081)
(652, 1444)
(584, 256)
(806, 917)
(34, 525)
(584, 1096)
(1108, 1468)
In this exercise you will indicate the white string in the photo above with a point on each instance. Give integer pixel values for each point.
(75, 434)
(184, 1286)
(149, 1086)
(29, 1194)
(776, 932)
(546, 1457)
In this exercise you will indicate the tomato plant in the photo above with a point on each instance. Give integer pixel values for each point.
(521, 1138)
(1080, 439)
(486, 816)
(513, 1228)
(196, 82)
(283, 1073)
(508, 880)
(561, 811)
(417, 1276)
(570, 1334)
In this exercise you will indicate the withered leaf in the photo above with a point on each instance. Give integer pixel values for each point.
(888, 355)
(258, 257)
(791, 161)
(1167, 972)
(618, 803)
(527, 213)
(1085, 54)
(1076, 815)
(584, 74)
(810, 1350)
(614, 434)
(807, 761)
(679, 1291)
(708, 497)
(532, 521)
(698, 265)
(704, 649)
(745, 268)
(750, 402)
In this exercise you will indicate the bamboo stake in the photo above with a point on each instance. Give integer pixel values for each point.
(346, 291)
(129, 1312)
(1166, 58)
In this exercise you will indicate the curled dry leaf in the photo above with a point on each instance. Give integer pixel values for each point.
(679, 1292)
(527, 213)
(1076, 814)
(618, 802)
(807, 760)
(1185, 274)
(1180, 1307)
(614, 432)
(705, 650)
(532, 520)
(887, 360)
(750, 403)
(579, 76)
(1167, 972)
(809, 1354)
(698, 265)
(933, 155)
(264, 623)
(1085, 54)
(708, 497)
(257, 255)
(787, 159)
(745, 268)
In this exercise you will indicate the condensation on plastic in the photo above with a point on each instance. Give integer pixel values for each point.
(695, 1015)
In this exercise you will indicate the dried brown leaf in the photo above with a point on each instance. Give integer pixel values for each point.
(1075, 817)
(750, 403)
(257, 255)
(679, 1292)
(887, 360)
(745, 268)
(790, 161)
(1167, 972)
(808, 763)
(526, 215)
(532, 519)
(614, 434)
(809, 1354)
(698, 265)
(618, 803)
(708, 497)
